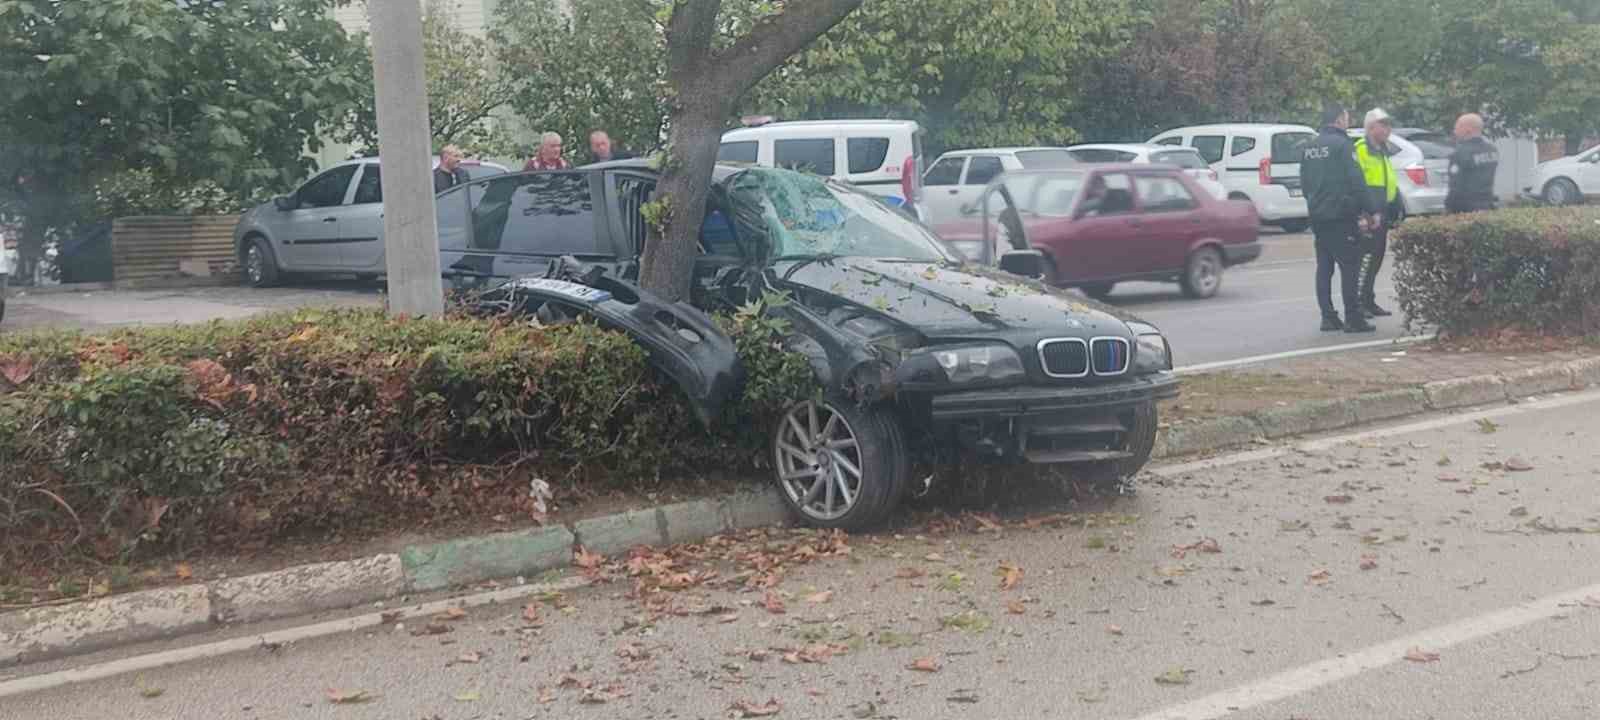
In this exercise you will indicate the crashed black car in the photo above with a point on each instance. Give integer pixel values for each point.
(924, 357)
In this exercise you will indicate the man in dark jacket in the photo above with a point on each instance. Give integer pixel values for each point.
(602, 150)
(1472, 168)
(449, 173)
(1336, 196)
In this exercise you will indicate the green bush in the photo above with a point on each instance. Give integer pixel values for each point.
(142, 441)
(1532, 269)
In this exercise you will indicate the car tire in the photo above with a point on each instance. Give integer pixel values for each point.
(1098, 291)
(1141, 443)
(260, 265)
(1202, 275)
(1294, 227)
(1560, 192)
(858, 441)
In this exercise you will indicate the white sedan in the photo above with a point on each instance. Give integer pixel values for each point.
(1568, 180)
(1187, 158)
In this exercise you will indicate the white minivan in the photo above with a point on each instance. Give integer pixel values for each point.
(956, 181)
(883, 157)
(1259, 162)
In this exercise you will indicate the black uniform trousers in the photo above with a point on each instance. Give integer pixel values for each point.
(1338, 247)
(1374, 246)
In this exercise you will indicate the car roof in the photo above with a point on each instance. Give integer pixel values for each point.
(805, 125)
(464, 161)
(1135, 147)
(999, 150)
(1240, 127)
(721, 172)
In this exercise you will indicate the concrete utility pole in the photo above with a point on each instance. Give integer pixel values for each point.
(410, 227)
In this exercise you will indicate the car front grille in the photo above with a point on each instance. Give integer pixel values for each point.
(1076, 358)
(1110, 355)
(1064, 357)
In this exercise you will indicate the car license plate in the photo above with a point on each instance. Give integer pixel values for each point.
(1296, 192)
(568, 289)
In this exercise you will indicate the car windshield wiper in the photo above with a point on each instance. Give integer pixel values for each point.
(804, 260)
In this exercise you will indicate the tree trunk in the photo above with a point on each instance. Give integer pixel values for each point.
(667, 267)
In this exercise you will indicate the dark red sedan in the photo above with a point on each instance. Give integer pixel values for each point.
(1103, 224)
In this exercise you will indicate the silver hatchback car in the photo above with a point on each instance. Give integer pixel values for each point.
(332, 224)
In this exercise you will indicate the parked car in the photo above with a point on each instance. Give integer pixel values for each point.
(883, 157)
(957, 178)
(1255, 161)
(1421, 181)
(1104, 224)
(920, 355)
(1569, 180)
(1187, 158)
(331, 224)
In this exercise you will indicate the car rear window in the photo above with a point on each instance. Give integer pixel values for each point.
(1101, 155)
(866, 153)
(1287, 147)
(1209, 146)
(812, 155)
(1432, 150)
(541, 214)
(1044, 159)
(739, 152)
(1186, 160)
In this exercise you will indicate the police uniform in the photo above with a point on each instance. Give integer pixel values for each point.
(1336, 195)
(1382, 194)
(1472, 169)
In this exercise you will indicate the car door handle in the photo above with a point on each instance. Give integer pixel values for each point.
(329, 219)
(954, 191)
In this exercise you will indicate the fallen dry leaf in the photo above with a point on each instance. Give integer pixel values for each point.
(1015, 607)
(183, 571)
(17, 371)
(748, 709)
(820, 597)
(433, 628)
(927, 664)
(1418, 655)
(1338, 499)
(591, 697)
(572, 681)
(469, 658)
(1174, 676)
(1590, 601)
(909, 573)
(469, 696)
(454, 613)
(1517, 464)
(1320, 576)
(1010, 576)
(1114, 629)
(587, 560)
(987, 523)
(530, 614)
(349, 697)
(1519, 511)
(1204, 545)
(546, 695)
(1369, 562)
(773, 603)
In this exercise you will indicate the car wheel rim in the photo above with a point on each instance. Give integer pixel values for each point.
(1558, 194)
(819, 461)
(1206, 273)
(253, 264)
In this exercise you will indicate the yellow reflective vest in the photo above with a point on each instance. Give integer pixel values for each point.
(1378, 170)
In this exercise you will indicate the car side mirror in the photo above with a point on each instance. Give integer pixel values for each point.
(283, 202)
(1027, 263)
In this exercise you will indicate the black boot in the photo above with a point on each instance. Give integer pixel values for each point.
(1374, 310)
(1330, 323)
(1359, 325)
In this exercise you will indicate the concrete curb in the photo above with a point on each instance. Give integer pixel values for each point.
(52, 632)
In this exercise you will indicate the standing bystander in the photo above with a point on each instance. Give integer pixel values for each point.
(1336, 196)
(548, 156)
(1472, 168)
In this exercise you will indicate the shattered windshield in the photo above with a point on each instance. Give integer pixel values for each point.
(800, 216)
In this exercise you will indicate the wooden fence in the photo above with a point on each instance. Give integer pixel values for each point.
(155, 249)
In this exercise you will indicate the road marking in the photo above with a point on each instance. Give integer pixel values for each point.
(152, 661)
(1320, 444)
(1326, 672)
(1223, 364)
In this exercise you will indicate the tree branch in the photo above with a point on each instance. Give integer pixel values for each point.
(774, 39)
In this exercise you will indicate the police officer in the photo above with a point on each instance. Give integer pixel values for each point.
(1372, 154)
(1336, 196)
(1472, 168)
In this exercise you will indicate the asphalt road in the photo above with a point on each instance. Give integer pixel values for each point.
(1310, 575)
(1266, 307)
(1263, 308)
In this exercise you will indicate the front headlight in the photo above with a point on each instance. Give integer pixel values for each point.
(1152, 353)
(960, 365)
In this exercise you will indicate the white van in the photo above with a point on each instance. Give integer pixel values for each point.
(1259, 162)
(883, 157)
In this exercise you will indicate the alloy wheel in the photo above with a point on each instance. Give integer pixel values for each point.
(819, 461)
(255, 264)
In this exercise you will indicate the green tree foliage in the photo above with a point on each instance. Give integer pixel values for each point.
(233, 93)
(601, 67)
(465, 88)
(974, 72)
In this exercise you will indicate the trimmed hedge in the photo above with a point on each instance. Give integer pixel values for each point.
(1532, 269)
(146, 441)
